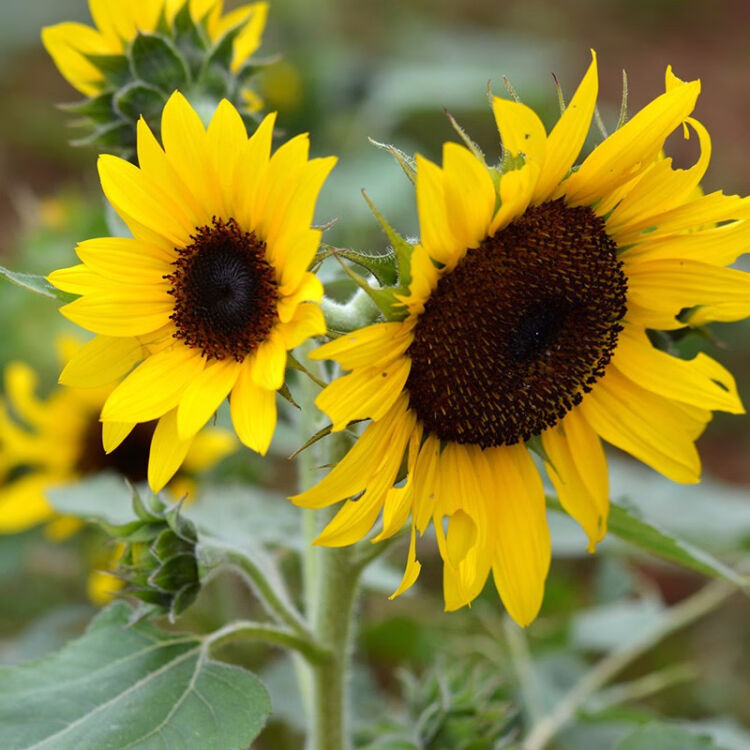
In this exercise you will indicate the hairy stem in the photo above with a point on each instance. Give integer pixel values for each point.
(268, 633)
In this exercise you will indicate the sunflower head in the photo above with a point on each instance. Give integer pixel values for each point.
(211, 291)
(138, 53)
(527, 325)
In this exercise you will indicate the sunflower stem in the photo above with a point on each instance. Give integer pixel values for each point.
(331, 578)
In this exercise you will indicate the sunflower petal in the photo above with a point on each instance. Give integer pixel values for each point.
(154, 387)
(168, 451)
(365, 393)
(204, 395)
(566, 139)
(253, 410)
(632, 148)
(523, 549)
(701, 381)
(645, 425)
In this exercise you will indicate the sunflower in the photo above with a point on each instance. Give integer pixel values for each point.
(534, 296)
(54, 441)
(211, 291)
(73, 45)
(46, 442)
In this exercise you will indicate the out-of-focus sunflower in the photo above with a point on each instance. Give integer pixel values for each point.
(50, 442)
(213, 289)
(76, 48)
(533, 296)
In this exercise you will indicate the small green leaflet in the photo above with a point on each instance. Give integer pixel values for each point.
(120, 687)
(625, 524)
(36, 284)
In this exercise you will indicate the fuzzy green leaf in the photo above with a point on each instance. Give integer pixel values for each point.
(665, 737)
(138, 99)
(155, 60)
(120, 687)
(625, 523)
(405, 161)
(35, 283)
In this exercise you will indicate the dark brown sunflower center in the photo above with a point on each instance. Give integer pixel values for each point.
(510, 340)
(129, 459)
(224, 290)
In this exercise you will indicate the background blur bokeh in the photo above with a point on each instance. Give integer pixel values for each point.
(387, 70)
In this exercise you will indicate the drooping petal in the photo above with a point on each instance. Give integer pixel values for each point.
(353, 472)
(113, 433)
(269, 362)
(168, 451)
(365, 393)
(253, 410)
(645, 425)
(632, 148)
(522, 548)
(68, 44)
(701, 381)
(567, 476)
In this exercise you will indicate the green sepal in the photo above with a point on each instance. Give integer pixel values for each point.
(286, 394)
(176, 572)
(464, 136)
(385, 299)
(97, 109)
(535, 445)
(167, 545)
(155, 60)
(247, 72)
(138, 99)
(405, 161)
(189, 39)
(180, 525)
(117, 137)
(114, 68)
(383, 267)
(401, 248)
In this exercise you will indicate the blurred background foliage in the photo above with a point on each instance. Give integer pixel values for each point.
(387, 70)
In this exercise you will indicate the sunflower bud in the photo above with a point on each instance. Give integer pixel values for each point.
(159, 564)
(206, 57)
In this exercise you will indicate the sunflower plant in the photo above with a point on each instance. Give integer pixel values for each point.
(458, 395)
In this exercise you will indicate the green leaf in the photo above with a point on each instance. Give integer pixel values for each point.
(138, 99)
(120, 687)
(625, 523)
(155, 60)
(35, 283)
(665, 737)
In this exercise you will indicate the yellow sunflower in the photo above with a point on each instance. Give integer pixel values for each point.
(531, 299)
(211, 291)
(119, 21)
(48, 442)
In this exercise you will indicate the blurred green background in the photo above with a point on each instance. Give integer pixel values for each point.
(387, 70)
